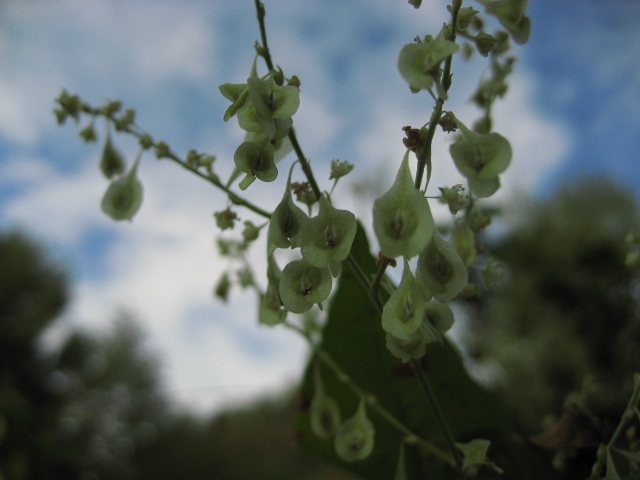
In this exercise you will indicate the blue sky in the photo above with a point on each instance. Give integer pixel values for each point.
(573, 108)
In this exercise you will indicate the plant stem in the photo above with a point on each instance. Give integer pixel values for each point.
(423, 153)
(424, 158)
(375, 285)
(139, 132)
(627, 416)
(431, 398)
(384, 413)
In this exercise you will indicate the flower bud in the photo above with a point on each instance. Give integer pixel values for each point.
(454, 198)
(123, 197)
(355, 438)
(494, 273)
(402, 218)
(222, 287)
(250, 232)
(403, 313)
(324, 411)
(225, 219)
(441, 269)
(111, 161)
(339, 168)
(328, 236)
(302, 285)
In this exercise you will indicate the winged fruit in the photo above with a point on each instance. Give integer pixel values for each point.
(402, 218)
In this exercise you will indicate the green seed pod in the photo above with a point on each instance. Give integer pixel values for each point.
(271, 311)
(328, 236)
(272, 102)
(355, 438)
(402, 218)
(511, 14)
(324, 411)
(123, 197)
(441, 269)
(237, 93)
(222, 288)
(403, 313)
(418, 62)
(111, 162)
(414, 347)
(287, 222)
(439, 317)
(480, 156)
(464, 241)
(255, 158)
(484, 188)
(302, 285)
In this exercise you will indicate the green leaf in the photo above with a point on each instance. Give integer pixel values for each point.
(354, 339)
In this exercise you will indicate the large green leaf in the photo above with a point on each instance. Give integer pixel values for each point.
(354, 338)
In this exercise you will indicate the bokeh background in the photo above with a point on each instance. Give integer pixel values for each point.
(572, 112)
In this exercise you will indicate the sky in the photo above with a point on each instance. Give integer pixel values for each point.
(573, 109)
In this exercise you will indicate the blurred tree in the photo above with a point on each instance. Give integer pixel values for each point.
(95, 408)
(563, 332)
(33, 292)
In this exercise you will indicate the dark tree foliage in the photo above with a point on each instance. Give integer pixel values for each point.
(561, 337)
(33, 291)
(95, 408)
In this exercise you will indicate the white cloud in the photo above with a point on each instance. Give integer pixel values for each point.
(163, 265)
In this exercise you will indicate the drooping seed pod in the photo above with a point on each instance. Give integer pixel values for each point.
(123, 197)
(111, 162)
(302, 285)
(480, 156)
(403, 313)
(402, 218)
(438, 317)
(328, 236)
(324, 411)
(441, 269)
(355, 437)
(287, 222)
(255, 159)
